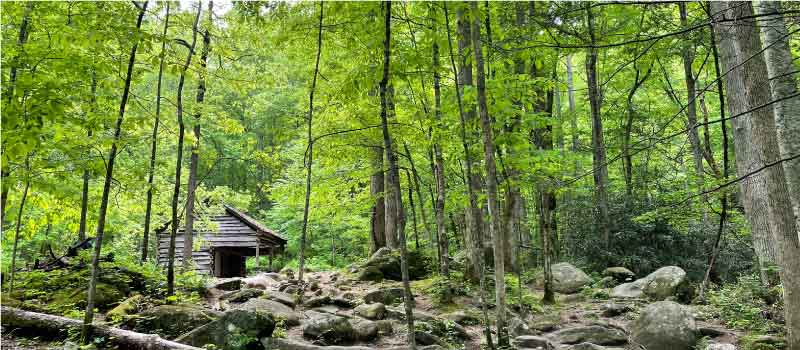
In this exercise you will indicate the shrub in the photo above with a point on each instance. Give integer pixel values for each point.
(746, 305)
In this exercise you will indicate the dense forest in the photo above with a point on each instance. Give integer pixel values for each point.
(434, 175)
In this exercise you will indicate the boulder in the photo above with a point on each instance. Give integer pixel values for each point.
(587, 346)
(374, 311)
(463, 318)
(343, 302)
(619, 273)
(106, 295)
(277, 310)
(665, 325)
(170, 321)
(425, 338)
(365, 330)
(546, 322)
(720, 346)
(234, 283)
(613, 309)
(317, 301)
(242, 295)
(327, 329)
(532, 342)
(370, 273)
(281, 297)
(517, 327)
(385, 296)
(663, 283)
(387, 261)
(594, 334)
(230, 330)
(127, 307)
(568, 279)
(262, 280)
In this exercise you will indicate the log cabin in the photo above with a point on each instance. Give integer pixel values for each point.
(225, 246)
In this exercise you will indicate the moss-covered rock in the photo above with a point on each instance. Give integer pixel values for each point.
(105, 297)
(126, 308)
(236, 329)
(387, 261)
(170, 321)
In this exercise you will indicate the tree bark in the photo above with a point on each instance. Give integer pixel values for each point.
(495, 223)
(194, 159)
(476, 246)
(154, 143)
(691, 113)
(439, 168)
(101, 217)
(310, 142)
(179, 159)
(377, 222)
(61, 327)
(783, 81)
(749, 60)
(86, 174)
(19, 224)
(599, 162)
(394, 174)
(627, 159)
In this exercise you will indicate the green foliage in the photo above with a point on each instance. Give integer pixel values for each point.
(746, 305)
(521, 297)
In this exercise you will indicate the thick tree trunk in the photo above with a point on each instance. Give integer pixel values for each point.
(783, 81)
(394, 173)
(34, 323)
(377, 222)
(101, 217)
(753, 191)
(310, 142)
(691, 113)
(179, 160)
(495, 222)
(154, 143)
(439, 168)
(475, 245)
(742, 49)
(599, 163)
(194, 159)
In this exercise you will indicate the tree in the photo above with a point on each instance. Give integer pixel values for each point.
(112, 154)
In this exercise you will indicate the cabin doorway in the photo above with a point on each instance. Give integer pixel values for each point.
(228, 264)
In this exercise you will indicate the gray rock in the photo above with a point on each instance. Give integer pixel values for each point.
(711, 332)
(234, 283)
(328, 329)
(374, 311)
(170, 321)
(587, 346)
(388, 262)
(619, 273)
(232, 326)
(277, 310)
(425, 338)
(568, 279)
(546, 322)
(663, 283)
(317, 301)
(613, 309)
(385, 296)
(665, 325)
(633, 289)
(242, 295)
(463, 318)
(517, 327)
(532, 342)
(281, 297)
(720, 346)
(364, 329)
(370, 273)
(594, 334)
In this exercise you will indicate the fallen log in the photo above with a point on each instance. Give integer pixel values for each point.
(60, 327)
(288, 344)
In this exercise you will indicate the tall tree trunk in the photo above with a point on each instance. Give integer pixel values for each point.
(12, 80)
(101, 217)
(495, 222)
(691, 113)
(746, 57)
(753, 191)
(154, 143)
(599, 163)
(413, 208)
(86, 174)
(19, 223)
(476, 245)
(627, 159)
(310, 142)
(439, 167)
(416, 186)
(194, 159)
(783, 81)
(179, 159)
(394, 174)
(377, 222)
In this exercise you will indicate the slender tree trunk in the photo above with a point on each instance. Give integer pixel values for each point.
(413, 208)
(599, 149)
(310, 142)
(476, 246)
(747, 58)
(783, 81)
(101, 217)
(18, 224)
(753, 191)
(394, 174)
(627, 159)
(495, 224)
(179, 160)
(86, 174)
(416, 185)
(154, 143)
(691, 113)
(194, 159)
(377, 223)
(12, 80)
(439, 168)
